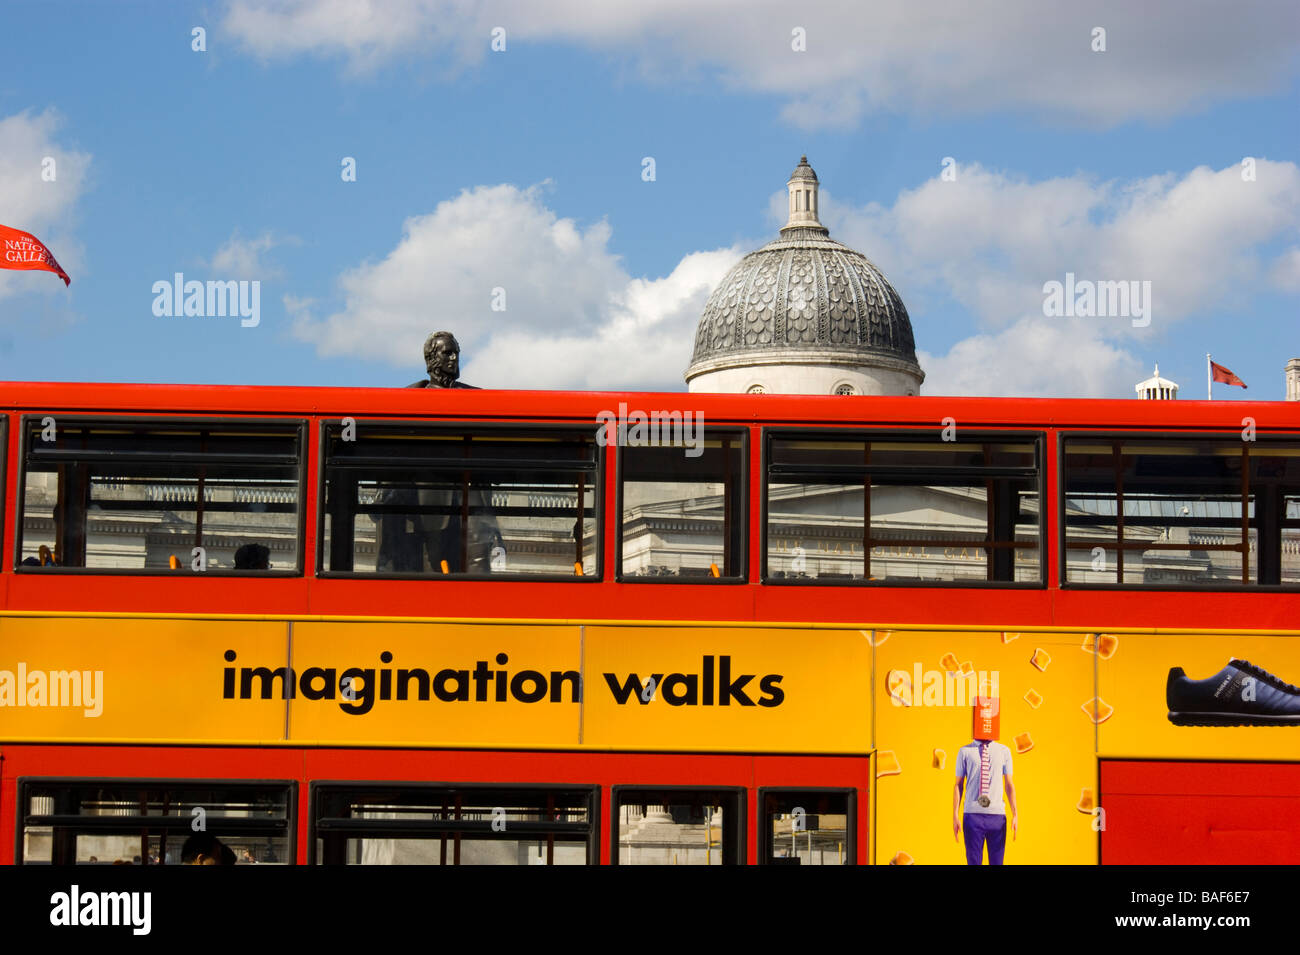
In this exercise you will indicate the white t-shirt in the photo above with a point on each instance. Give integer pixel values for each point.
(968, 768)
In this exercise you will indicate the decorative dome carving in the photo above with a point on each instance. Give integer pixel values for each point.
(805, 293)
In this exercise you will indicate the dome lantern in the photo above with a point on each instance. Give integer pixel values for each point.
(802, 186)
(1156, 388)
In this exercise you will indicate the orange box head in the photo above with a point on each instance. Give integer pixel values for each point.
(987, 718)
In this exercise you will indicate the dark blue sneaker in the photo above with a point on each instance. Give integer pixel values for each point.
(1238, 695)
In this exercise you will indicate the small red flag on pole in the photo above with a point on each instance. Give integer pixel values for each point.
(22, 250)
(1217, 373)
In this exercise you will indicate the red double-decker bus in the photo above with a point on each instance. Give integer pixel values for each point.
(384, 626)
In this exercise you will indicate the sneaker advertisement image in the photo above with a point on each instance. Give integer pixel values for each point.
(1238, 695)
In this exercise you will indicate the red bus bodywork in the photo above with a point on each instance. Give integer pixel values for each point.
(1050, 606)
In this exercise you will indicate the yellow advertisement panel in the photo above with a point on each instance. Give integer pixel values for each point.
(926, 689)
(1063, 698)
(1199, 696)
(379, 683)
(756, 690)
(113, 678)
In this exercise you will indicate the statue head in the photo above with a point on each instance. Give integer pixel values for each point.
(442, 358)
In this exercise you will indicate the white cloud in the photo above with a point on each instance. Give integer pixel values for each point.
(991, 240)
(367, 34)
(645, 344)
(1285, 273)
(573, 316)
(31, 203)
(1034, 358)
(241, 258)
(947, 56)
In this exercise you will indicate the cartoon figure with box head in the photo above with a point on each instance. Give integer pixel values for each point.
(981, 765)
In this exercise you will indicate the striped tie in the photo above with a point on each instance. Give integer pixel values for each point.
(985, 768)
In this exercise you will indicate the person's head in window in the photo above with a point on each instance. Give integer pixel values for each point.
(253, 557)
(204, 849)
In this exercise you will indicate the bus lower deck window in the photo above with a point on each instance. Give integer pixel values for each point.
(806, 827)
(436, 825)
(148, 822)
(678, 826)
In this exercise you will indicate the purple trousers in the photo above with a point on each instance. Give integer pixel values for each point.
(978, 828)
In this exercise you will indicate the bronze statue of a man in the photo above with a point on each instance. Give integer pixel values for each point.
(430, 537)
(442, 359)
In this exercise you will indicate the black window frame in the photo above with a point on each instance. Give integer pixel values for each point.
(1036, 438)
(1228, 437)
(358, 829)
(850, 821)
(461, 428)
(216, 825)
(738, 829)
(740, 520)
(217, 424)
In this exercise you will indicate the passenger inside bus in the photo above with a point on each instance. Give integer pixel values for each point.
(205, 849)
(253, 557)
(430, 540)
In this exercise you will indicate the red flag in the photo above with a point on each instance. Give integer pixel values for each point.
(22, 250)
(1219, 373)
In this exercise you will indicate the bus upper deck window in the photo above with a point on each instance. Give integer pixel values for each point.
(446, 502)
(122, 495)
(671, 489)
(1181, 512)
(903, 508)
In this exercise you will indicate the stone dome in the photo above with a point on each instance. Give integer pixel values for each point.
(807, 314)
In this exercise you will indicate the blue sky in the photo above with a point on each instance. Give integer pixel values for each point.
(522, 170)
